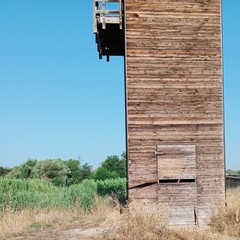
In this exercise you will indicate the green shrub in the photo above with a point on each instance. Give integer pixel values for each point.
(88, 191)
(18, 194)
(113, 187)
(53, 170)
(31, 185)
(82, 195)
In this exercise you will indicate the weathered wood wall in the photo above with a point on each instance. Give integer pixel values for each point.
(175, 96)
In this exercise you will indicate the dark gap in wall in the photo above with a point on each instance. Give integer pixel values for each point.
(143, 185)
(176, 180)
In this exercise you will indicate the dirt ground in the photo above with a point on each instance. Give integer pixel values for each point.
(60, 234)
(73, 233)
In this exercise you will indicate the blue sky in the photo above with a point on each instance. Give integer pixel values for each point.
(58, 100)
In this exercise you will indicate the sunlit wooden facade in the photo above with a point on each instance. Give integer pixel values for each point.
(174, 106)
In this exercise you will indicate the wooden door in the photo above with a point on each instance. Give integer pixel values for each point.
(176, 165)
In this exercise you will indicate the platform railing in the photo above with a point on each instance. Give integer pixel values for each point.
(102, 15)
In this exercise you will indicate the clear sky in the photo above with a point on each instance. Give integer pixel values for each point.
(58, 100)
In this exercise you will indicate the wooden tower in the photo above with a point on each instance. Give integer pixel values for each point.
(174, 101)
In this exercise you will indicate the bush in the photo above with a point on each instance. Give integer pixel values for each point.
(88, 191)
(112, 167)
(4, 171)
(18, 194)
(113, 187)
(30, 185)
(54, 170)
(23, 171)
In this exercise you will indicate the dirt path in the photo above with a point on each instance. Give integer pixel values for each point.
(61, 234)
(72, 234)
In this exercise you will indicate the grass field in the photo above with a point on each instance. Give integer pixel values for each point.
(18, 194)
(27, 205)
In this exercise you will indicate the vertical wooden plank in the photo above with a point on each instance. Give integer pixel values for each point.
(176, 161)
(177, 186)
(181, 200)
(103, 14)
(120, 14)
(94, 16)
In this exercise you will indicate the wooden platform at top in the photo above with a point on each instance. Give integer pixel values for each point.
(108, 27)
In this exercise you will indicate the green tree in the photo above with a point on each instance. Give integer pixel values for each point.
(14, 173)
(86, 172)
(4, 171)
(116, 164)
(23, 171)
(233, 172)
(113, 167)
(26, 169)
(54, 170)
(78, 172)
(102, 174)
(74, 167)
(123, 165)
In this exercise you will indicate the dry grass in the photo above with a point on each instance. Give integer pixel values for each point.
(12, 223)
(19, 222)
(139, 222)
(148, 222)
(227, 220)
(105, 207)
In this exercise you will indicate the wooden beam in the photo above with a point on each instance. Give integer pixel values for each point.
(103, 14)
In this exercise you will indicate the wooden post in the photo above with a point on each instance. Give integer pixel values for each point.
(103, 14)
(94, 17)
(120, 14)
